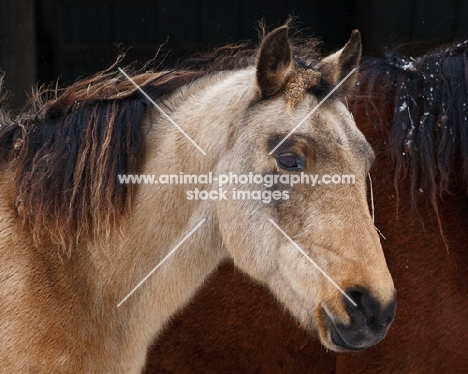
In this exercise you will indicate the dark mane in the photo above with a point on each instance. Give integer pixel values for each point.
(428, 97)
(67, 149)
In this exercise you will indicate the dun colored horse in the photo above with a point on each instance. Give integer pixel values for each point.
(414, 113)
(74, 241)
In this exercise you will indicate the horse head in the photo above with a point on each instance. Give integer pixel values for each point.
(329, 221)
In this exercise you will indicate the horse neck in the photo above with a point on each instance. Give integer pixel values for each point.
(95, 278)
(162, 215)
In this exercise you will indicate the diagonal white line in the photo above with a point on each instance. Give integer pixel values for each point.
(312, 111)
(162, 261)
(312, 261)
(162, 111)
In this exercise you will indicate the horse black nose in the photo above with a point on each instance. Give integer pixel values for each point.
(369, 311)
(370, 320)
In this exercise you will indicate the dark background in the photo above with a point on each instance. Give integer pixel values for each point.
(42, 40)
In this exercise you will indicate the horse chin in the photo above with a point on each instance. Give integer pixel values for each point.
(339, 344)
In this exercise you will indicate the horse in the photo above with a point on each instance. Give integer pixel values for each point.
(413, 111)
(75, 239)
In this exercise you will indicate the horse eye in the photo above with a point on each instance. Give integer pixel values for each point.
(289, 162)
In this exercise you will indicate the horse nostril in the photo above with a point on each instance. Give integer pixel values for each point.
(369, 320)
(368, 311)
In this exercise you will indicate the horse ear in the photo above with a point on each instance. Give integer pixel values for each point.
(274, 62)
(339, 64)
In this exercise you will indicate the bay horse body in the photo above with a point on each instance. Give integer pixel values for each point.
(413, 111)
(74, 241)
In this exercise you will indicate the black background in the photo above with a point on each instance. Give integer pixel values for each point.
(68, 39)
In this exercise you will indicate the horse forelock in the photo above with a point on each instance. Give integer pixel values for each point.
(429, 127)
(302, 79)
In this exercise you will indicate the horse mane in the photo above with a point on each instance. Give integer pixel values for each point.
(428, 125)
(67, 150)
(66, 153)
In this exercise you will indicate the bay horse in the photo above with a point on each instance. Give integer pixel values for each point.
(413, 111)
(75, 241)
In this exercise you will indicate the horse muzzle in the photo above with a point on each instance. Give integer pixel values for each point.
(369, 321)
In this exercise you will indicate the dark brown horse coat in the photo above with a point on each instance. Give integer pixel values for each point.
(414, 113)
